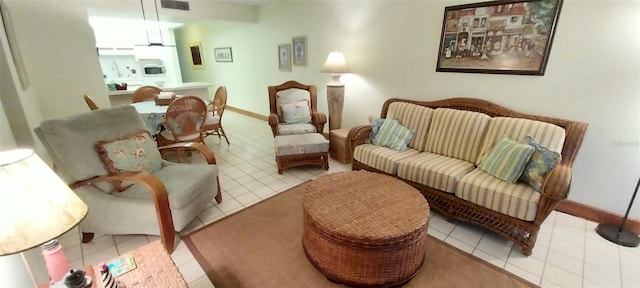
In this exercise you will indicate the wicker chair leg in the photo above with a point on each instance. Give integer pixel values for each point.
(219, 194)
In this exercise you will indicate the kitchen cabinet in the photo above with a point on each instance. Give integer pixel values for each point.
(115, 51)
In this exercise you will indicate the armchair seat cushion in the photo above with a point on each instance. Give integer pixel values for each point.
(211, 120)
(291, 129)
(184, 182)
(514, 199)
(184, 138)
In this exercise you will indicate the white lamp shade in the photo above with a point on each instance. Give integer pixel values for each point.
(36, 205)
(335, 64)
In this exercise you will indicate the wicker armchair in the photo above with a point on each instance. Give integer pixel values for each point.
(157, 202)
(145, 93)
(213, 122)
(183, 121)
(289, 93)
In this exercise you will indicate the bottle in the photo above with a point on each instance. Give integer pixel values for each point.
(57, 263)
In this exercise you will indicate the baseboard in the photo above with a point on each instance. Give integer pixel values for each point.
(596, 215)
(248, 113)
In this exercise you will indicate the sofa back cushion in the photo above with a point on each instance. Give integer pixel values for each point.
(457, 133)
(415, 118)
(546, 134)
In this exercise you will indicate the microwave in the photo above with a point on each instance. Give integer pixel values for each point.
(154, 70)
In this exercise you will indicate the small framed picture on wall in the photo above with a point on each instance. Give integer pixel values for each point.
(223, 54)
(197, 61)
(299, 50)
(284, 57)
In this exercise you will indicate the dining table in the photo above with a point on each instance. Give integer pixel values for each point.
(152, 114)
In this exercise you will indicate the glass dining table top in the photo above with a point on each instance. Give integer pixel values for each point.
(152, 114)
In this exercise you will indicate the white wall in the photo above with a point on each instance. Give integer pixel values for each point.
(592, 74)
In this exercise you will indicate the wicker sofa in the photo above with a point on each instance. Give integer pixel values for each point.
(451, 137)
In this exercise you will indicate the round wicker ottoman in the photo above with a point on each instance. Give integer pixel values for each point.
(364, 229)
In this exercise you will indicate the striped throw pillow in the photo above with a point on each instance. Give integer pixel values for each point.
(507, 160)
(393, 135)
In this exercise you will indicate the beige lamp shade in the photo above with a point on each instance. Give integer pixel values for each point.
(335, 64)
(36, 204)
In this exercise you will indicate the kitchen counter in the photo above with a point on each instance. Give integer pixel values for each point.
(200, 89)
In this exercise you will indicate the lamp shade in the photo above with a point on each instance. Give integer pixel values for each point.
(36, 204)
(335, 64)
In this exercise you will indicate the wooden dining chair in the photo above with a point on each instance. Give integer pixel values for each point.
(183, 122)
(92, 105)
(145, 93)
(213, 122)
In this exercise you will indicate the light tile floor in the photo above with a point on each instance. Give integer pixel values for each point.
(568, 252)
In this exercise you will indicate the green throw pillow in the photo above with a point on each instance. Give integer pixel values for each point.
(507, 160)
(393, 135)
(542, 161)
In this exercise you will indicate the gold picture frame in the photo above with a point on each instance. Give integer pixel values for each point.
(197, 57)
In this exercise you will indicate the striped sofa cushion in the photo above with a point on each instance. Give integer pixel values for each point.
(517, 200)
(548, 135)
(415, 118)
(433, 170)
(456, 133)
(381, 158)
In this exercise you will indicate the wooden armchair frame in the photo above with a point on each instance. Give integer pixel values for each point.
(217, 107)
(318, 119)
(92, 104)
(157, 190)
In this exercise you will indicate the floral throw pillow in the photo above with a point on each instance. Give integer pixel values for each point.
(296, 113)
(542, 161)
(132, 153)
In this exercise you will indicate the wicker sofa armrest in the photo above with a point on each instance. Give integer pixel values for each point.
(557, 184)
(358, 135)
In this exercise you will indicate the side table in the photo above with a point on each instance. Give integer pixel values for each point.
(339, 146)
(154, 268)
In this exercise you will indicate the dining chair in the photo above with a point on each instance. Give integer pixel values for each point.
(183, 121)
(293, 109)
(92, 105)
(145, 93)
(213, 122)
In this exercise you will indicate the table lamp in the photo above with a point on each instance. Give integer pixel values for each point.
(336, 65)
(36, 207)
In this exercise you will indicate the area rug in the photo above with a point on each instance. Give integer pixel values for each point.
(261, 246)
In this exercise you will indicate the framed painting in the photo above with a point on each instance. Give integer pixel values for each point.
(284, 57)
(223, 54)
(197, 61)
(498, 37)
(299, 45)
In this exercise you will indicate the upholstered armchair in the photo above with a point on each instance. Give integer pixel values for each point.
(293, 108)
(99, 153)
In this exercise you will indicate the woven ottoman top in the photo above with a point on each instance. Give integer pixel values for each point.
(366, 208)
